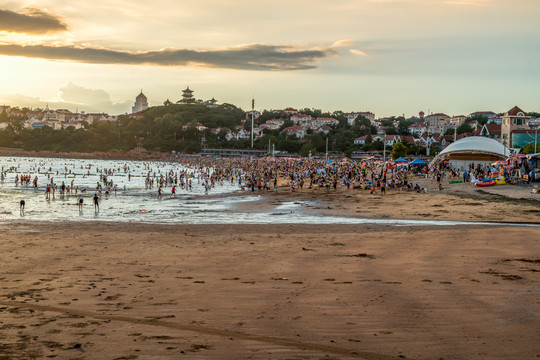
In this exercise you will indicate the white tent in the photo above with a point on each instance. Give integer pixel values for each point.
(475, 150)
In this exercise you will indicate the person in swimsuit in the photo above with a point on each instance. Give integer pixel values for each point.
(96, 202)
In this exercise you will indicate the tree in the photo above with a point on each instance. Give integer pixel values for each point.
(391, 130)
(399, 150)
(403, 126)
(286, 124)
(290, 145)
(464, 128)
(307, 149)
(481, 119)
(450, 132)
(340, 116)
(3, 116)
(267, 115)
(376, 145)
(528, 148)
(362, 126)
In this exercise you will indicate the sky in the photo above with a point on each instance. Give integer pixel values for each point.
(390, 57)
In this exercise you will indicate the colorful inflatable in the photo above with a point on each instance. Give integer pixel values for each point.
(500, 181)
(485, 183)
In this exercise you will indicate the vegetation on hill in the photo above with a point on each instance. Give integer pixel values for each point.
(163, 129)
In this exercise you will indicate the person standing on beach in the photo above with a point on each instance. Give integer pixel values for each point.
(96, 202)
(80, 203)
(22, 203)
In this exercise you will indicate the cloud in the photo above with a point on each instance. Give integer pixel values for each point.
(342, 43)
(91, 99)
(250, 57)
(466, 2)
(358, 52)
(33, 21)
(73, 97)
(75, 94)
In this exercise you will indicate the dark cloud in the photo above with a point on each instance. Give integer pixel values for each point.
(251, 57)
(33, 21)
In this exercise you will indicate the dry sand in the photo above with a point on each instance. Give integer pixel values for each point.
(135, 291)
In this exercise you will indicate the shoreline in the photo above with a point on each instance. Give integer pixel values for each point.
(111, 155)
(466, 204)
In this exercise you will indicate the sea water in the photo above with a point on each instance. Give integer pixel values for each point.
(133, 202)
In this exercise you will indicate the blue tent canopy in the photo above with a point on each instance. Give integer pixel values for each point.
(400, 160)
(417, 161)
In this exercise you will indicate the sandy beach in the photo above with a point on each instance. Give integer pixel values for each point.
(138, 291)
(456, 202)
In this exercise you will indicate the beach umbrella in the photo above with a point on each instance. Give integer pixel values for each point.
(400, 160)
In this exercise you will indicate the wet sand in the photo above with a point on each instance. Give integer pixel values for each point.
(135, 291)
(456, 202)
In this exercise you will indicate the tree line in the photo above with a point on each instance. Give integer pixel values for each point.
(161, 129)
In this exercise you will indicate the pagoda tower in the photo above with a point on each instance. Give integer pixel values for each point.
(187, 96)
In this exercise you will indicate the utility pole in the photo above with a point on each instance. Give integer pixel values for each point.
(384, 151)
(427, 143)
(252, 117)
(326, 150)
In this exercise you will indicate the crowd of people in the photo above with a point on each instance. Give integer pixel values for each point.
(253, 174)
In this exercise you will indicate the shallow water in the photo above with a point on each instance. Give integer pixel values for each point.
(133, 203)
